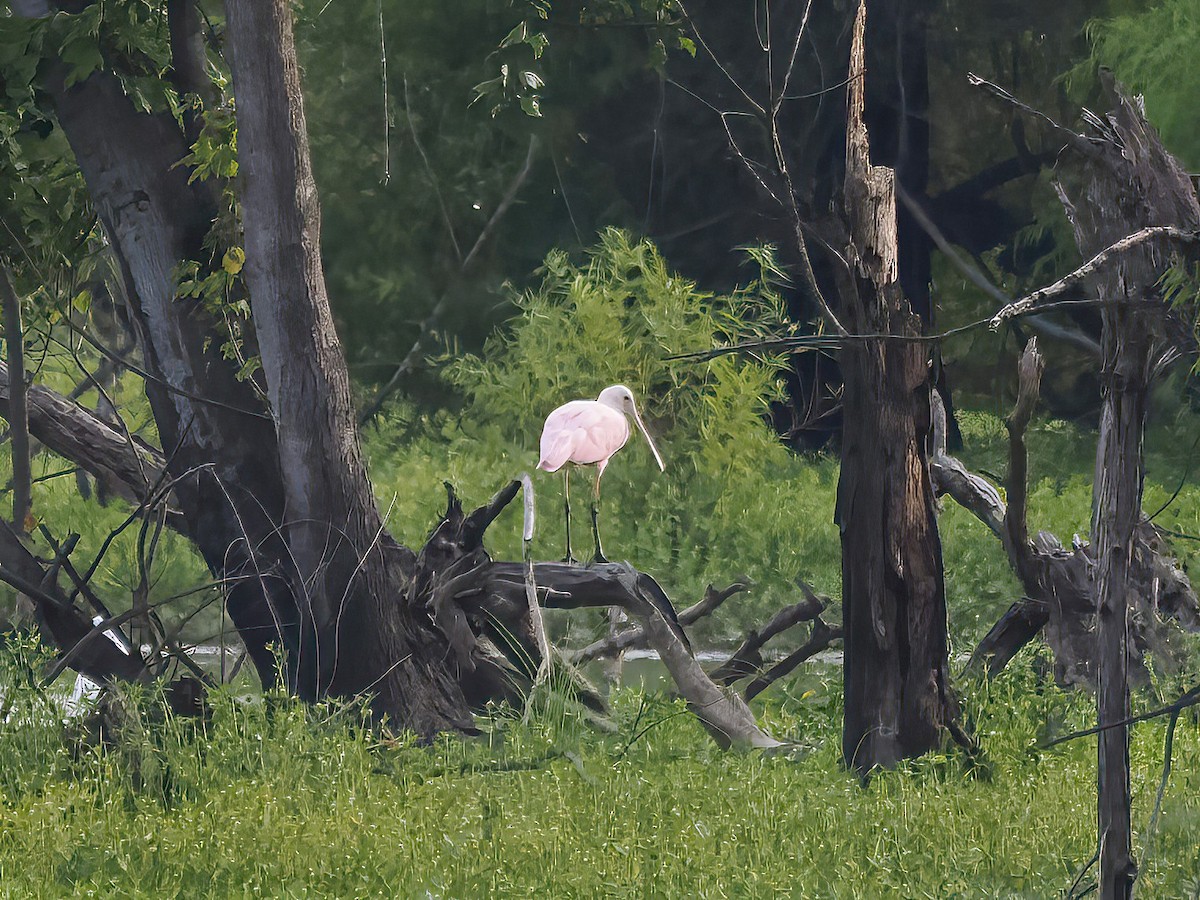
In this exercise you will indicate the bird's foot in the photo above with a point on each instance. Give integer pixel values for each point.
(569, 560)
(598, 558)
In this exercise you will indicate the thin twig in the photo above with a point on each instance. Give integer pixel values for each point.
(1190, 698)
(431, 321)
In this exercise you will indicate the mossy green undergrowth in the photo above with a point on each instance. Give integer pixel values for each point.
(272, 798)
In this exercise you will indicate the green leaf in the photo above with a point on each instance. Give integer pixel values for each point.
(538, 42)
(531, 106)
(235, 258)
(688, 46)
(516, 36)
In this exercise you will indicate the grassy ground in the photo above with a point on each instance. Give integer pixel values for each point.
(272, 799)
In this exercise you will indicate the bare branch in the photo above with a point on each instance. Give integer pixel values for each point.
(1029, 376)
(1077, 141)
(820, 638)
(1073, 281)
(747, 658)
(637, 637)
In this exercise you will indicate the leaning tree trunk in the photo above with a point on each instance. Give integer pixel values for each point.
(220, 445)
(351, 576)
(897, 698)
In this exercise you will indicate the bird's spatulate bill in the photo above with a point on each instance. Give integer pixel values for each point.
(657, 458)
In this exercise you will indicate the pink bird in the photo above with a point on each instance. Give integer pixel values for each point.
(587, 433)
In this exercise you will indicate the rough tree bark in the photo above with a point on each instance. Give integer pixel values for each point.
(216, 436)
(348, 573)
(897, 695)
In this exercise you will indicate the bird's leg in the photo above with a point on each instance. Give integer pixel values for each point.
(567, 511)
(598, 556)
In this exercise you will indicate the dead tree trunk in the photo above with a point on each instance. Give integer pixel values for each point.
(897, 696)
(1059, 582)
(1128, 183)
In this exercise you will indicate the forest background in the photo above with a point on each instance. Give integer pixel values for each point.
(525, 204)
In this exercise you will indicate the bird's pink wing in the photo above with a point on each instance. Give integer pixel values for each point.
(583, 432)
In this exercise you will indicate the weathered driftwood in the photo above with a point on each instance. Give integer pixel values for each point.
(636, 637)
(747, 659)
(1057, 581)
(469, 596)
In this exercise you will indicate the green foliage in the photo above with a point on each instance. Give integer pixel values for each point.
(657, 25)
(733, 500)
(1152, 51)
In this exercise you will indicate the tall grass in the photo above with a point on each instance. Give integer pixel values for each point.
(270, 797)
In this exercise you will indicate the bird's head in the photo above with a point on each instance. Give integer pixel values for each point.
(620, 398)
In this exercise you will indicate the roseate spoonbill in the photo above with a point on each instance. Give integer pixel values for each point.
(586, 433)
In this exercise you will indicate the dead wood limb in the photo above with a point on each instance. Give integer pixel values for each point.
(1077, 141)
(1074, 281)
(636, 636)
(820, 638)
(1016, 628)
(78, 434)
(468, 595)
(747, 658)
(1058, 581)
(564, 586)
(65, 624)
(1029, 383)
(1184, 701)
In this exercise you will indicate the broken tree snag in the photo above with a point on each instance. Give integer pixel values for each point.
(1018, 626)
(1057, 581)
(747, 659)
(897, 694)
(1127, 183)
